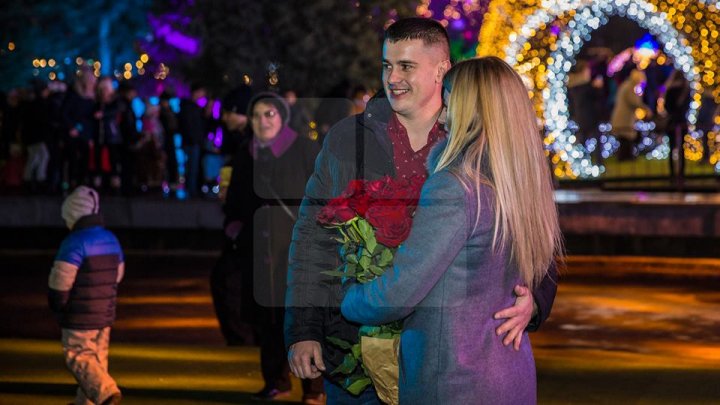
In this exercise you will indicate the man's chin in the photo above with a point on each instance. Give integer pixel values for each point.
(397, 106)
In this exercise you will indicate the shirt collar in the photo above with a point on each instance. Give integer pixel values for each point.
(436, 133)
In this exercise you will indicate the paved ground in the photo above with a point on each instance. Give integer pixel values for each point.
(623, 331)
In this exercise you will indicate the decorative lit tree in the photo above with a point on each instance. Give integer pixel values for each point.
(104, 31)
(309, 46)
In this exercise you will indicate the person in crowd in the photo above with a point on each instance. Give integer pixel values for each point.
(301, 117)
(130, 137)
(623, 117)
(234, 120)
(709, 109)
(36, 132)
(584, 101)
(677, 104)
(392, 137)
(80, 126)
(212, 159)
(149, 152)
(486, 221)
(269, 174)
(333, 107)
(359, 98)
(168, 120)
(193, 126)
(55, 141)
(229, 279)
(10, 128)
(108, 141)
(82, 293)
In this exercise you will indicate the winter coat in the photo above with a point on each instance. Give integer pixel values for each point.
(36, 122)
(191, 123)
(78, 113)
(85, 275)
(259, 182)
(446, 283)
(108, 127)
(128, 124)
(356, 147)
(623, 115)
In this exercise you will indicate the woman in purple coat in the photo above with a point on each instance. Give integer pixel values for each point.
(486, 221)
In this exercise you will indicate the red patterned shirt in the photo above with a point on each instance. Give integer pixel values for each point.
(407, 161)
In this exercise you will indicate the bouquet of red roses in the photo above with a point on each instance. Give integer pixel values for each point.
(373, 219)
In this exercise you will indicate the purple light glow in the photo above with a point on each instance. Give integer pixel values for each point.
(202, 102)
(218, 137)
(458, 24)
(216, 109)
(183, 42)
(174, 38)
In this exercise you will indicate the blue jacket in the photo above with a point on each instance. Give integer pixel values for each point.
(85, 275)
(447, 282)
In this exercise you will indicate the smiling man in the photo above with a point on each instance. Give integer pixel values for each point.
(392, 137)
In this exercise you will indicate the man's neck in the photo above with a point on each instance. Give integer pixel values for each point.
(418, 126)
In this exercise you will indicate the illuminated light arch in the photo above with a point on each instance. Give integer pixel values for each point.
(569, 44)
(510, 24)
(588, 18)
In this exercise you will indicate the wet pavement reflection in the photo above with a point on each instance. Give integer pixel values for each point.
(622, 330)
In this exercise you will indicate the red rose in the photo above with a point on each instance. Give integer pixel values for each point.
(395, 192)
(391, 222)
(337, 211)
(354, 187)
(376, 186)
(360, 203)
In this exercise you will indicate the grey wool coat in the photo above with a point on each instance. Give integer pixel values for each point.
(447, 282)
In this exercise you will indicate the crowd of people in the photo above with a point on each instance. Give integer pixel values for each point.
(99, 132)
(657, 94)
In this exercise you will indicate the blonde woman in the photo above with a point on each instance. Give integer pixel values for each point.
(486, 222)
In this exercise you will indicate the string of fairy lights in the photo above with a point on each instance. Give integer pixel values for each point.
(587, 19)
(55, 69)
(542, 37)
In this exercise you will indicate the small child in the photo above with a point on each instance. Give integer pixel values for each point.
(83, 292)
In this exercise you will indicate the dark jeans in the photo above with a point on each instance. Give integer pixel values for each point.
(338, 396)
(77, 152)
(675, 134)
(192, 169)
(226, 285)
(625, 151)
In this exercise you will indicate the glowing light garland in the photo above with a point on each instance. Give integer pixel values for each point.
(586, 20)
(542, 37)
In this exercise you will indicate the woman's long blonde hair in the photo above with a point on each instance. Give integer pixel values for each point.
(495, 140)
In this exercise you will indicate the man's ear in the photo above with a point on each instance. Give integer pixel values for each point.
(443, 67)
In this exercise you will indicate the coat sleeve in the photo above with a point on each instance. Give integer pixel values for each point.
(63, 273)
(439, 232)
(312, 251)
(544, 296)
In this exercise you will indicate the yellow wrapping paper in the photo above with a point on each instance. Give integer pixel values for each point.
(380, 357)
